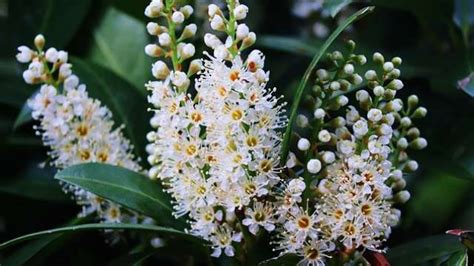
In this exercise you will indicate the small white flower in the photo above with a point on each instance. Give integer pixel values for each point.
(65, 71)
(179, 79)
(25, 54)
(51, 55)
(221, 52)
(374, 115)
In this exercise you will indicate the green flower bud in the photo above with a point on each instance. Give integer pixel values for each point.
(396, 61)
(379, 91)
(322, 74)
(402, 197)
(413, 133)
(402, 144)
(394, 74)
(411, 166)
(345, 85)
(337, 56)
(338, 122)
(412, 101)
(395, 84)
(351, 45)
(420, 112)
(389, 94)
(371, 75)
(419, 144)
(39, 42)
(405, 122)
(388, 66)
(334, 86)
(302, 121)
(361, 59)
(355, 79)
(378, 58)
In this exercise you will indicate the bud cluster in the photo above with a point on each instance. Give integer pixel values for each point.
(238, 35)
(353, 160)
(170, 44)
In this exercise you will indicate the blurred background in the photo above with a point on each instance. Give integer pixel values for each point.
(434, 38)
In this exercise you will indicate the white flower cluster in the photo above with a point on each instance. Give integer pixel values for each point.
(353, 170)
(218, 152)
(77, 128)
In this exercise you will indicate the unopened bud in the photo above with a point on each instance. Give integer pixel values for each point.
(420, 112)
(402, 197)
(419, 143)
(303, 144)
(412, 101)
(397, 61)
(39, 42)
(395, 84)
(194, 67)
(302, 121)
(378, 58)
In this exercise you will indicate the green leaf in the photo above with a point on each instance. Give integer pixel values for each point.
(464, 15)
(23, 117)
(287, 259)
(457, 259)
(121, 97)
(36, 184)
(123, 186)
(118, 44)
(38, 247)
(162, 231)
(57, 20)
(289, 44)
(334, 6)
(423, 250)
(299, 92)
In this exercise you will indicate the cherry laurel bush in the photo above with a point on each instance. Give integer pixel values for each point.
(217, 151)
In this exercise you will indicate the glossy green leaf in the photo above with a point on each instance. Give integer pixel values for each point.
(23, 117)
(123, 186)
(457, 259)
(162, 231)
(40, 247)
(36, 184)
(464, 15)
(304, 81)
(334, 6)
(423, 250)
(119, 42)
(128, 106)
(289, 44)
(57, 20)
